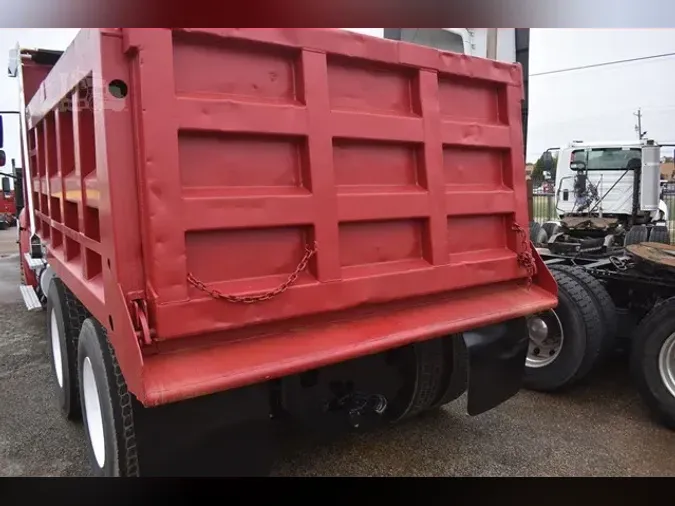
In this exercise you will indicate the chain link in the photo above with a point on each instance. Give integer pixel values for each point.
(525, 257)
(251, 299)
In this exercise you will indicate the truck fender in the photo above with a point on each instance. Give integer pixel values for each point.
(662, 214)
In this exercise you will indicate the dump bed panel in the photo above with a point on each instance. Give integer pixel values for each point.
(400, 164)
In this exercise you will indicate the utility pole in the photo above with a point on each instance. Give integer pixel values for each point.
(638, 127)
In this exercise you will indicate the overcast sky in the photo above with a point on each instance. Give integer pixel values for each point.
(592, 104)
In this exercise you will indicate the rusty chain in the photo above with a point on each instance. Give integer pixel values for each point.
(525, 257)
(251, 299)
(525, 260)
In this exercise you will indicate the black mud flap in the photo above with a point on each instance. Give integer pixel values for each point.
(224, 434)
(496, 363)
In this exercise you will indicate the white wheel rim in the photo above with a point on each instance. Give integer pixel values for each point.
(546, 339)
(92, 406)
(667, 364)
(56, 349)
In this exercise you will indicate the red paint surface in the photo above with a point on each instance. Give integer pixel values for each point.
(7, 203)
(237, 148)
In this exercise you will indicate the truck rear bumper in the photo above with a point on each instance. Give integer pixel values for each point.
(496, 353)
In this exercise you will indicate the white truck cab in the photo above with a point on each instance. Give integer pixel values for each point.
(607, 189)
(610, 171)
(495, 43)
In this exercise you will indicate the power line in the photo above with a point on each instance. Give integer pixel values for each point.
(617, 112)
(603, 64)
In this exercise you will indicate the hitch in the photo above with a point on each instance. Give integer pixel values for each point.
(359, 406)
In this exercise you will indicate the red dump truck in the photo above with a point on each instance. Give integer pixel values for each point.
(230, 228)
(7, 206)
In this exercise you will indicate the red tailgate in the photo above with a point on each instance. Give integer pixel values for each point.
(402, 164)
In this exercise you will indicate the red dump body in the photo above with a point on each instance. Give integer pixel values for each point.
(226, 153)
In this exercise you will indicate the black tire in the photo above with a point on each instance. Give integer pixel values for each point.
(659, 234)
(541, 237)
(602, 300)
(65, 314)
(650, 335)
(551, 228)
(457, 371)
(424, 380)
(636, 235)
(115, 403)
(3, 225)
(537, 234)
(582, 343)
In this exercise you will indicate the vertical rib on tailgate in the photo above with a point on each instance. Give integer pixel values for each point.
(402, 164)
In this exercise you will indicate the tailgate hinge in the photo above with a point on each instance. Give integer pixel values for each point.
(139, 316)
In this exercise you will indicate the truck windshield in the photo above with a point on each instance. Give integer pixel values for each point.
(606, 158)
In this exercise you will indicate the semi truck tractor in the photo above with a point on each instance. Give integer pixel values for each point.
(607, 195)
(230, 229)
(611, 255)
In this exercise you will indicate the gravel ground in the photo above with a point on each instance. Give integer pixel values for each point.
(600, 429)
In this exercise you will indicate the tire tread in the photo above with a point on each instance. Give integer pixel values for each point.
(602, 299)
(660, 320)
(592, 322)
(636, 235)
(660, 235)
(126, 411)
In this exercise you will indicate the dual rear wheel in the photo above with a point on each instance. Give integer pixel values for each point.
(567, 342)
(89, 385)
(641, 233)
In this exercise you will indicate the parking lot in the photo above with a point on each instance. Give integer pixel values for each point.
(599, 429)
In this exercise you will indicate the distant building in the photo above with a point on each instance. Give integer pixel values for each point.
(529, 167)
(667, 170)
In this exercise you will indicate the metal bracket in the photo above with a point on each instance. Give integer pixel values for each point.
(139, 316)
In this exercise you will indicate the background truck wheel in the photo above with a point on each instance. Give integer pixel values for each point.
(3, 225)
(551, 228)
(537, 234)
(602, 300)
(565, 343)
(65, 315)
(106, 405)
(659, 234)
(422, 366)
(653, 361)
(636, 235)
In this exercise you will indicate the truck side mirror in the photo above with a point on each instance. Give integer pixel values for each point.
(547, 161)
(5, 185)
(3, 158)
